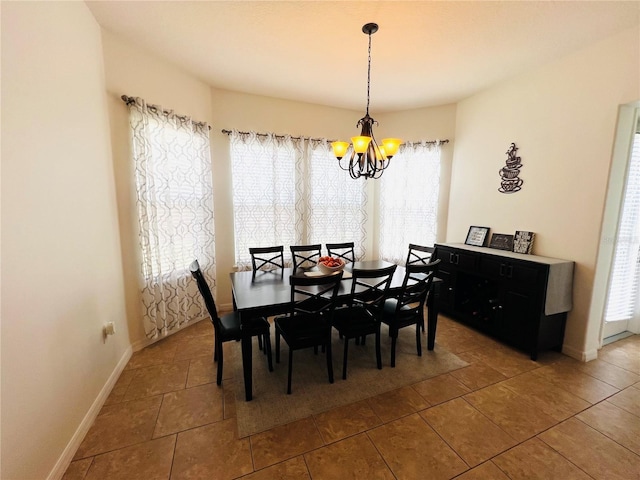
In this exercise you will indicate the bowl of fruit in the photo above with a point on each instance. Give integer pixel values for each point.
(329, 265)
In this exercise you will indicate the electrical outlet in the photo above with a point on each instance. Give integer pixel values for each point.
(109, 329)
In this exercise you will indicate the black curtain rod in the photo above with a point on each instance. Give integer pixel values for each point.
(228, 132)
(131, 100)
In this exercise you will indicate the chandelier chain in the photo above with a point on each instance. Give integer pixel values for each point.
(369, 75)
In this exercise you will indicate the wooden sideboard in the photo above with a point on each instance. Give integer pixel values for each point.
(519, 299)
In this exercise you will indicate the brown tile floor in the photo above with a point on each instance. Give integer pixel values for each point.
(502, 417)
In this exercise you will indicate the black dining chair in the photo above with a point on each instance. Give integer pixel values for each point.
(419, 255)
(305, 256)
(408, 308)
(267, 259)
(308, 323)
(227, 328)
(344, 251)
(363, 313)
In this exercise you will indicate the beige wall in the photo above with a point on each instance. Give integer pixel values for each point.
(563, 118)
(61, 267)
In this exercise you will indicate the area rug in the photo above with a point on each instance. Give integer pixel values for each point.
(311, 391)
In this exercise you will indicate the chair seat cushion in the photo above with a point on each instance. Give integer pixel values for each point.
(355, 320)
(302, 330)
(405, 317)
(230, 328)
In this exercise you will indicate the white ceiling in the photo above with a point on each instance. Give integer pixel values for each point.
(425, 53)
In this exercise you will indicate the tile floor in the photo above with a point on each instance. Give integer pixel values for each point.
(502, 417)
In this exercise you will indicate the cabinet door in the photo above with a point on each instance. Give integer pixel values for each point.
(446, 292)
(516, 322)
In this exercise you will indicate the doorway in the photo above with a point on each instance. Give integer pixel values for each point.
(621, 313)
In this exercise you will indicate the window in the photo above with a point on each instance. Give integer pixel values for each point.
(409, 191)
(289, 191)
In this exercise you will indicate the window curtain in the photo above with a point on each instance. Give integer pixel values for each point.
(290, 191)
(336, 202)
(624, 284)
(264, 192)
(174, 200)
(408, 207)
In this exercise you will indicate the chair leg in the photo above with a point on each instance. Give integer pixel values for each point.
(418, 340)
(364, 340)
(344, 360)
(260, 344)
(378, 352)
(329, 360)
(393, 349)
(277, 346)
(290, 371)
(220, 363)
(267, 349)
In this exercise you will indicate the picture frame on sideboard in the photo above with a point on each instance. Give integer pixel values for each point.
(477, 236)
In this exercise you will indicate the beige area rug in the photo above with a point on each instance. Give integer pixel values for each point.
(311, 391)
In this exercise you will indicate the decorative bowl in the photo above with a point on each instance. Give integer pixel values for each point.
(329, 265)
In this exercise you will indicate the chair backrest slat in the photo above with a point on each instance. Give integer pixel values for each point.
(419, 255)
(415, 287)
(205, 291)
(305, 256)
(314, 295)
(344, 251)
(369, 288)
(267, 258)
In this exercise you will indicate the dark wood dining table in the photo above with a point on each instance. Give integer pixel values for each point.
(269, 293)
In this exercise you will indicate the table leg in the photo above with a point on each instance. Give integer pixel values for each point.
(247, 355)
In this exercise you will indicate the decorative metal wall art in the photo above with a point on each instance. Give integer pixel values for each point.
(510, 182)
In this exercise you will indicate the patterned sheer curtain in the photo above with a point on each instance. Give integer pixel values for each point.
(289, 191)
(174, 200)
(408, 209)
(336, 202)
(264, 192)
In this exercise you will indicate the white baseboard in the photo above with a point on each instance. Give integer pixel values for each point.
(582, 355)
(67, 455)
(140, 344)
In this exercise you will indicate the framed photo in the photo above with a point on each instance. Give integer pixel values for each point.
(477, 236)
(523, 242)
(501, 241)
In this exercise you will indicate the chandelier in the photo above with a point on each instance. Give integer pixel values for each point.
(367, 159)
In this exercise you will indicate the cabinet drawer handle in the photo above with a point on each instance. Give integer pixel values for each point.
(502, 266)
(509, 271)
(452, 258)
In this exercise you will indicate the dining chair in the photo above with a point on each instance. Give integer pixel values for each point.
(363, 312)
(227, 327)
(408, 308)
(342, 250)
(267, 259)
(305, 256)
(419, 255)
(308, 323)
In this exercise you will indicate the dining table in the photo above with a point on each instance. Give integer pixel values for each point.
(268, 293)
